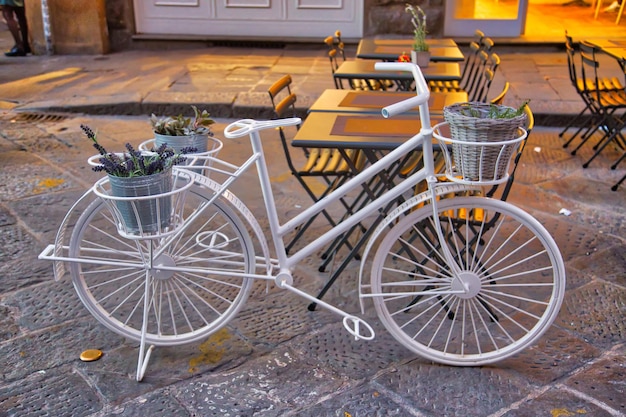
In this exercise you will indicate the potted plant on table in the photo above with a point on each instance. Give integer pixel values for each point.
(133, 174)
(420, 53)
(180, 132)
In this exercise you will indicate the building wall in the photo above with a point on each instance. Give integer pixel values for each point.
(76, 26)
(381, 17)
(121, 23)
(109, 25)
(387, 17)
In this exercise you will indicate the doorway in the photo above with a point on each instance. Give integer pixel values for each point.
(498, 18)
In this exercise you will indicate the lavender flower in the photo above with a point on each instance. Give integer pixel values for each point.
(133, 163)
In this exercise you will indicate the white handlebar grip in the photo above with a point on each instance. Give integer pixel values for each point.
(403, 106)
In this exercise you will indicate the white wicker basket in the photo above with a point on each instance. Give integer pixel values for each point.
(477, 162)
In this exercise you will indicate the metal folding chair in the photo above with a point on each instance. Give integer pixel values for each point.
(326, 164)
(608, 105)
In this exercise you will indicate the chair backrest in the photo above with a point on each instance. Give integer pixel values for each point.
(487, 44)
(334, 64)
(499, 99)
(335, 51)
(330, 42)
(478, 36)
(340, 45)
(589, 71)
(283, 100)
(574, 64)
(477, 80)
(284, 105)
(570, 50)
(484, 84)
(470, 64)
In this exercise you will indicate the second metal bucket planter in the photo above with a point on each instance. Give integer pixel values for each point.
(146, 206)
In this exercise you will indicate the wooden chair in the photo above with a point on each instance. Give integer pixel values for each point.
(475, 61)
(325, 164)
(337, 55)
(479, 90)
(499, 99)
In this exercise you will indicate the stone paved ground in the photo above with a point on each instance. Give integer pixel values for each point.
(276, 357)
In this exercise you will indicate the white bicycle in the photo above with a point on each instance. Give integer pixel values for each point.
(460, 280)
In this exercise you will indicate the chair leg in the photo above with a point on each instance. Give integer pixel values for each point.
(616, 135)
(593, 128)
(617, 184)
(306, 225)
(571, 124)
(620, 159)
(598, 6)
(621, 11)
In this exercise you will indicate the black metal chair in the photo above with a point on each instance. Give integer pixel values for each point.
(590, 118)
(607, 104)
(329, 165)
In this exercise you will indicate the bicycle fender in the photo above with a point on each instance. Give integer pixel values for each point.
(61, 236)
(409, 204)
(245, 213)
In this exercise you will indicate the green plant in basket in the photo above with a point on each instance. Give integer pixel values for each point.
(494, 111)
(133, 163)
(183, 126)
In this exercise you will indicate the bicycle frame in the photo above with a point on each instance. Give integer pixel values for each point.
(423, 138)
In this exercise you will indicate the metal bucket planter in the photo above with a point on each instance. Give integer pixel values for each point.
(200, 142)
(420, 58)
(207, 146)
(143, 215)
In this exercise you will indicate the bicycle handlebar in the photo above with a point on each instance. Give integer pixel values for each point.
(421, 87)
(246, 126)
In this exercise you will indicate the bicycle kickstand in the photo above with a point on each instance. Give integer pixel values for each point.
(144, 354)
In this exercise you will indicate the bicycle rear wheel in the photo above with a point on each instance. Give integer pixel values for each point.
(195, 297)
(503, 291)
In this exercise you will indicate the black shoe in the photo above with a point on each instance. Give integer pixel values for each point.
(27, 49)
(15, 51)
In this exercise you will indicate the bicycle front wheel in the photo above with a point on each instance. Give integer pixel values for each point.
(502, 292)
(203, 287)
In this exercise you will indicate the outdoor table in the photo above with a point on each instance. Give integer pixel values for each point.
(371, 102)
(408, 40)
(374, 136)
(365, 70)
(390, 49)
(614, 48)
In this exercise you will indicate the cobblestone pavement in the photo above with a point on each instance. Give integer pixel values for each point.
(277, 358)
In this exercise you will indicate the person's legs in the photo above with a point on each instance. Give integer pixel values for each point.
(8, 12)
(9, 17)
(20, 13)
